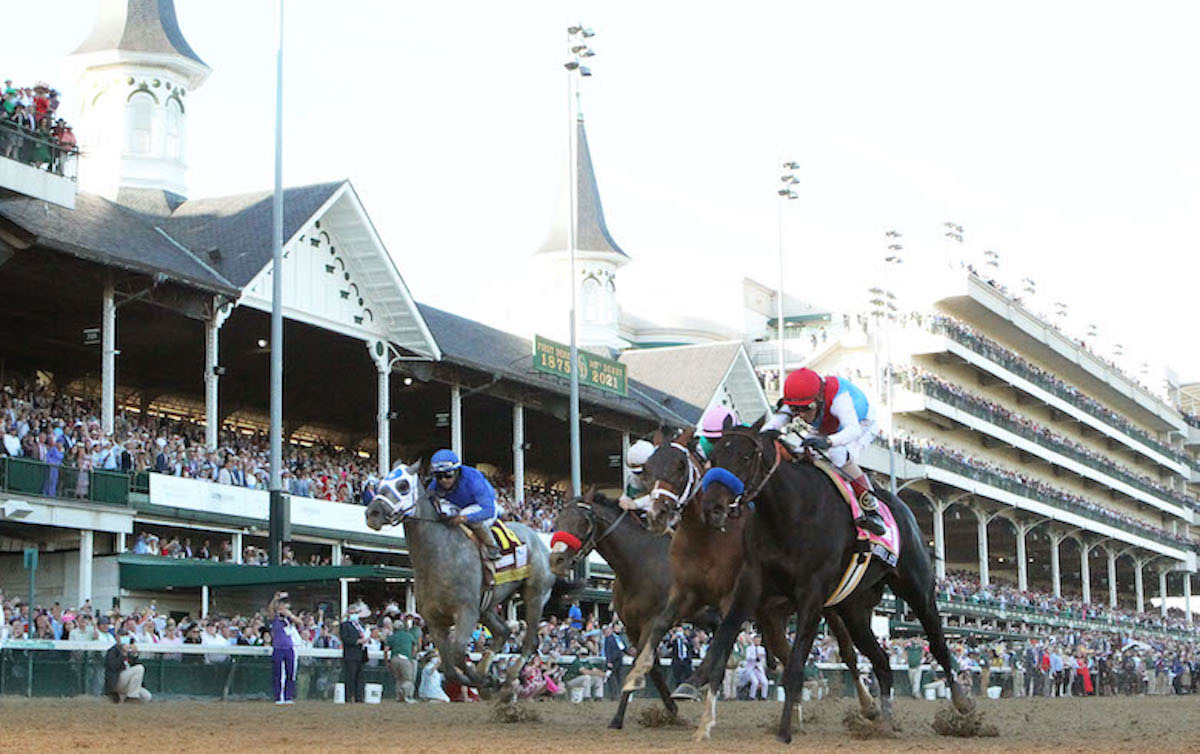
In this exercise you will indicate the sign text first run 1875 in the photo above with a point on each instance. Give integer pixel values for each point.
(598, 372)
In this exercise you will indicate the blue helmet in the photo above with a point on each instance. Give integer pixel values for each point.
(445, 460)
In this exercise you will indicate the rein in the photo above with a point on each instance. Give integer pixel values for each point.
(592, 541)
(681, 499)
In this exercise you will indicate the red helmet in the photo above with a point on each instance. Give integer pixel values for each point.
(802, 388)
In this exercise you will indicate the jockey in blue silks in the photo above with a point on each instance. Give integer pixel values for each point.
(467, 496)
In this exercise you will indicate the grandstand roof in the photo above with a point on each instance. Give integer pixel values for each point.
(145, 26)
(472, 344)
(699, 373)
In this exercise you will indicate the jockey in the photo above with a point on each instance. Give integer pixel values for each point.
(844, 423)
(469, 495)
(712, 424)
(637, 491)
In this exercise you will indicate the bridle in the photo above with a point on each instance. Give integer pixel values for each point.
(591, 541)
(680, 499)
(760, 467)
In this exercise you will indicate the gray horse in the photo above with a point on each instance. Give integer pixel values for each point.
(448, 575)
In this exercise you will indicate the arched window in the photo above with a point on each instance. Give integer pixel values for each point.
(593, 304)
(139, 113)
(174, 130)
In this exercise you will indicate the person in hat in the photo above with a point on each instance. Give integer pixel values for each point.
(285, 637)
(354, 650)
(637, 487)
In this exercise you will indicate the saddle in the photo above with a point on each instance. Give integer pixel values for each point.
(513, 563)
(886, 547)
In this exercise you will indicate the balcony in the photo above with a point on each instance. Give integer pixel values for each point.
(990, 357)
(949, 404)
(34, 167)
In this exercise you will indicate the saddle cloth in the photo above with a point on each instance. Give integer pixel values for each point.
(513, 563)
(886, 547)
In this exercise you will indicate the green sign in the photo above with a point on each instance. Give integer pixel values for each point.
(598, 372)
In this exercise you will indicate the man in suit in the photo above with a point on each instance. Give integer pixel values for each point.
(681, 656)
(614, 658)
(354, 650)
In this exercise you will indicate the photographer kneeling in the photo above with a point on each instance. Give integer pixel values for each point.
(123, 671)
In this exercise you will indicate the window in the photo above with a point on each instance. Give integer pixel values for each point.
(174, 130)
(139, 112)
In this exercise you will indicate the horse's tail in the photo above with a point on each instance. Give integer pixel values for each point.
(561, 594)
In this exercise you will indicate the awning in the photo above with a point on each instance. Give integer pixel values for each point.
(153, 573)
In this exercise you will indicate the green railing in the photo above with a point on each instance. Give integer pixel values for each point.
(24, 475)
(977, 409)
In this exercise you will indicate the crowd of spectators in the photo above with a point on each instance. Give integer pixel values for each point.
(29, 129)
(937, 387)
(925, 451)
(1191, 419)
(221, 551)
(64, 431)
(967, 336)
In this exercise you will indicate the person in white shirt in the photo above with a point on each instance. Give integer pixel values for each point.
(756, 667)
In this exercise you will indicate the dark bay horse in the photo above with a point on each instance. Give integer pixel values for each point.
(797, 546)
(639, 561)
(704, 566)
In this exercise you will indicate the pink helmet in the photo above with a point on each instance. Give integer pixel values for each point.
(712, 424)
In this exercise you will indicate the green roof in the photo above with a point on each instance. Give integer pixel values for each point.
(151, 573)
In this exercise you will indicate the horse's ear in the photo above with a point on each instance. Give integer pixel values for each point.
(686, 436)
(758, 424)
(658, 438)
(589, 494)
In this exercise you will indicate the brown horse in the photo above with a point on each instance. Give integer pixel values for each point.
(704, 565)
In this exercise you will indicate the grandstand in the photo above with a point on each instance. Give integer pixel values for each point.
(1031, 463)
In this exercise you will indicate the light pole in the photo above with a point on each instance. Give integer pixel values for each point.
(892, 259)
(577, 49)
(786, 194)
(277, 511)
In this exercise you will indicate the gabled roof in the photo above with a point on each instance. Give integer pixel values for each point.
(241, 225)
(591, 232)
(147, 26)
(107, 233)
(475, 345)
(692, 372)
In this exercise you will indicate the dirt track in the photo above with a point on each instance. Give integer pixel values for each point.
(1109, 724)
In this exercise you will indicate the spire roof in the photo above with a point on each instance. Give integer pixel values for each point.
(591, 232)
(138, 26)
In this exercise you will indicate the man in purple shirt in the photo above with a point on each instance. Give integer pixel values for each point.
(285, 637)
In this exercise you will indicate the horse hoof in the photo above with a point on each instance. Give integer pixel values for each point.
(687, 692)
(616, 724)
(783, 738)
(872, 713)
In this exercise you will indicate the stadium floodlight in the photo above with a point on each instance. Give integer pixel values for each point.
(791, 166)
(578, 49)
(587, 33)
(571, 66)
(573, 30)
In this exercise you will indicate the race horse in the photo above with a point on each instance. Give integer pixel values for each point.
(638, 560)
(798, 545)
(704, 562)
(449, 579)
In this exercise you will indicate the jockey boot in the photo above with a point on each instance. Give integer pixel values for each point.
(870, 518)
(484, 537)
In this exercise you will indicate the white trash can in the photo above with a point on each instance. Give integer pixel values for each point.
(373, 693)
(931, 693)
(339, 693)
(993, 692)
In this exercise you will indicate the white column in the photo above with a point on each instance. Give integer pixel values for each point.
(86, 541)
(624, 460)
(344, 597)
(204, 601)
(381, 418)
(410, 598)
(1112, 579)
(235, 544)
(121, 545)
(1055, 569)
(212, 359)
(939, 538)
(335, 557)
(1187, 596)
(518, 432)
(982, 522)
(1138, 585)
(108, 359)
(1022, 558)
(512, 611)
(456, 442)
(1085, 572)
(1162, 592)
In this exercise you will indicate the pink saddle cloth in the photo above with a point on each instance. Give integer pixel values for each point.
(886, 547)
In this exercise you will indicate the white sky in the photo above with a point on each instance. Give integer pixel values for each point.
(1063, 135)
